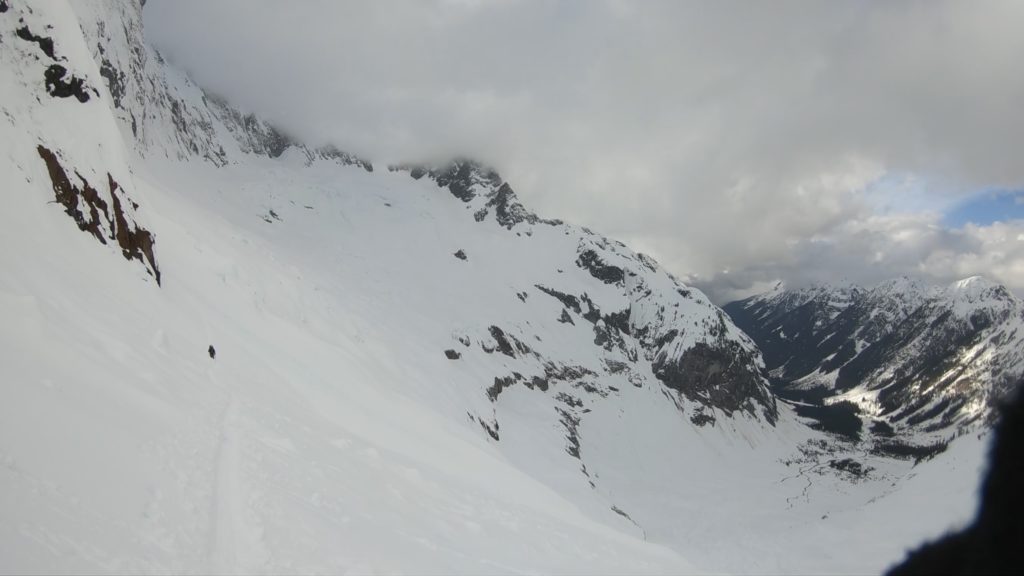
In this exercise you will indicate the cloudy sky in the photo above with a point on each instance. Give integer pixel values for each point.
(738, 143)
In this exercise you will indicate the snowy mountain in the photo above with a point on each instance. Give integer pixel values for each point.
(912, 357)
(227, 351)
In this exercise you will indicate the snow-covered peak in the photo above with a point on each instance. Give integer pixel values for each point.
(823, 300)
(892, 301)
(900, 285)
(978, 289)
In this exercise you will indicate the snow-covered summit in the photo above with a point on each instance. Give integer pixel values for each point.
(830, 297)
(978, 294)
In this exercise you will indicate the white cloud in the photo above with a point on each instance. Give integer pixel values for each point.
(877, 248)
(717, 136)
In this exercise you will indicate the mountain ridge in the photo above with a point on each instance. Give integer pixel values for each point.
(925, 357)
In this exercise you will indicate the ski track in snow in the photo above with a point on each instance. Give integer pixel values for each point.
(227, 522)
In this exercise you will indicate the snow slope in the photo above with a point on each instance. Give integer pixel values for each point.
(333, 432)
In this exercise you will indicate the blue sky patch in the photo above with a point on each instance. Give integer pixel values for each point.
(987, 208)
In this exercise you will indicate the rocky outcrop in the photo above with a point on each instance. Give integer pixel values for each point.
(105, 216)
(591, 262)
(45, 43)
(715, 376)
(481, 187)
(461, 178)
(59, 82)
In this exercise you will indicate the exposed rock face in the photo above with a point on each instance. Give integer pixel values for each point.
(508, 345)
(590, 261)
(45, 43)
(104, 216)
(461, 176)
(568, 300)
(714, 377)
(115, 80)
(479, 186)
(60, 87)
(59, 82)
(916, 357)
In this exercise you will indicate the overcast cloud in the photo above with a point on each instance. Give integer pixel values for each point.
(738, 143)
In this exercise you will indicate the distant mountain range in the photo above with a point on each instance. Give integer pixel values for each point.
(914, 357)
